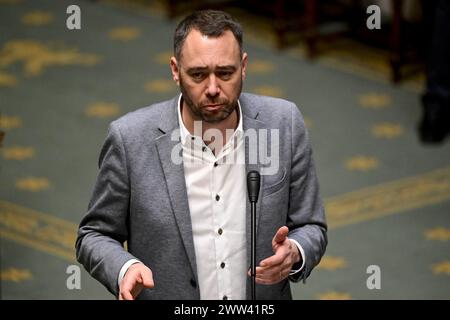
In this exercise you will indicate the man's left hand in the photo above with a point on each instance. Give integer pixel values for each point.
(277, 267)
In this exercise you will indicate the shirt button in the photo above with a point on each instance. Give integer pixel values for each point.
(204, 149)
(222, 265)
(217, 197)
(215, 164)
(225, 298)
(193, 138)
(220, 231)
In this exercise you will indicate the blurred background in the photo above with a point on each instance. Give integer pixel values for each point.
(375, 102)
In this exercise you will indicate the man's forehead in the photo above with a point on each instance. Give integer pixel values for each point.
(207, 51)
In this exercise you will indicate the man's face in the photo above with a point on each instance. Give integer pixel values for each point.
(210, 74)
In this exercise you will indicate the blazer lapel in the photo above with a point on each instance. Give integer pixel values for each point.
(251, 165)
(168, 146)
(251, 123)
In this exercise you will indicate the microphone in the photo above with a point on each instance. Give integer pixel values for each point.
(253, 181)
(253, 184)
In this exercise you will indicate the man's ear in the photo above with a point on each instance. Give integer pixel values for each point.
(175, 70)
(244, 65)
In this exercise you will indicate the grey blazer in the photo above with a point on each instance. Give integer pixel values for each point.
(140, 197)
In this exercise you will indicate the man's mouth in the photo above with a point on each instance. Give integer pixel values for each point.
(212, 107)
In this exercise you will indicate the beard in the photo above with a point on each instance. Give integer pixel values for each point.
(199, 111)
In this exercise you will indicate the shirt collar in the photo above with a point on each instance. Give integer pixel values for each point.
(185, 134)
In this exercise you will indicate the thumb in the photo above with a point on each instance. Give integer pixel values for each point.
(281, 235)
(147, 278)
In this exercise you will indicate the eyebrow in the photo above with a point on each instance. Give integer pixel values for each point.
(219, 68)
(226, 68)
(196, 69)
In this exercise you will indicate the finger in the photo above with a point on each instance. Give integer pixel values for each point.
(249, 272)
(271, 280)
(281, 235)
(275, 260)
(263, 281)
(259, 271)
(266, 273)
(147, 278)
(285, 272)
(286, 243)
(264, 278)
(269, 277)
(272, 276)
(269, 273)
(129, 285)
(126, 295)
(126, 290)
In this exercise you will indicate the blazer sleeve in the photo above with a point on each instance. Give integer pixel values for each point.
(103, 230)
(306, 216)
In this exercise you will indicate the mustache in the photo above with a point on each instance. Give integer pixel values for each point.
(218, 101)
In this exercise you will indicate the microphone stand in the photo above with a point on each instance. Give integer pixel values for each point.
(253, 184)
(253, 245)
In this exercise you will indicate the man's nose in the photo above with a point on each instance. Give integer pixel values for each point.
(213, 86)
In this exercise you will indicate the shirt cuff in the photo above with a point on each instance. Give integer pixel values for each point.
(124, 269)
(302, 254)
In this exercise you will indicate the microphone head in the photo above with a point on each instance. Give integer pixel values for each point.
(253, 184)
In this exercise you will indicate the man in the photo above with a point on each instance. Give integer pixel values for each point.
(172, 183)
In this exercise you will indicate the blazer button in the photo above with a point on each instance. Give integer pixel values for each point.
(193, 283)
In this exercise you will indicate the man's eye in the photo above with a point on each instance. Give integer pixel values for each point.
(197, 75)
(224, 74)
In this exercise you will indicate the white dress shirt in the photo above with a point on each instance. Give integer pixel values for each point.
(217, 196)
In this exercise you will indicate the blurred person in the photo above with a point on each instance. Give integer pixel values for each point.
(435, 122)
(186, 219)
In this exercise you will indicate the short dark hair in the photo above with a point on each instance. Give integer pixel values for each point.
(211, 23)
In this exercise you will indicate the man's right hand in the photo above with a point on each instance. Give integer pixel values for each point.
(136, 278)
